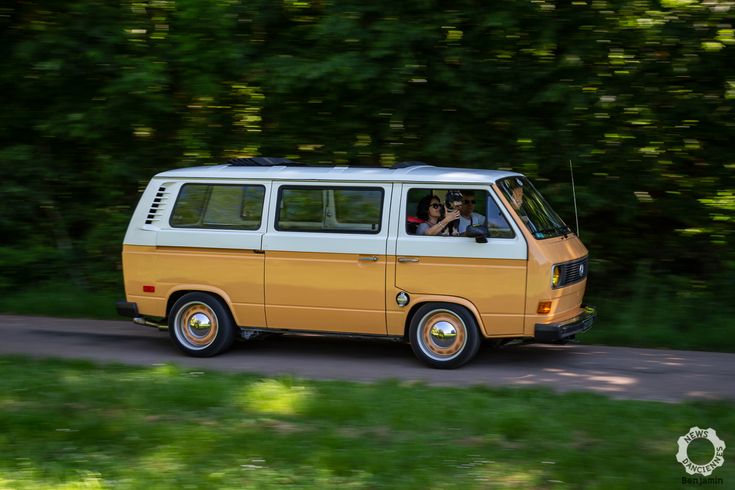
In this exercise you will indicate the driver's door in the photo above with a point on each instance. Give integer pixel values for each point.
(490, 275)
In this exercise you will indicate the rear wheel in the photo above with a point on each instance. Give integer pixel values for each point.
(444, 335)
(200, 325)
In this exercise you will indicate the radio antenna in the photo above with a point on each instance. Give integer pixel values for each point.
(574, 195)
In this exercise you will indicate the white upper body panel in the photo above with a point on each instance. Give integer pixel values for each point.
(419, 173)
(150, 222)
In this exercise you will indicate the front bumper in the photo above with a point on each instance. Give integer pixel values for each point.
(553, 332)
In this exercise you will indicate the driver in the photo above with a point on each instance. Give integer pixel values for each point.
(468, 216)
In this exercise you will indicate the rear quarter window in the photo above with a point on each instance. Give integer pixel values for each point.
(218, 206)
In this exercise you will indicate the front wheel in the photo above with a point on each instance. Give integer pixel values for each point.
(200, 325)
(444, 335)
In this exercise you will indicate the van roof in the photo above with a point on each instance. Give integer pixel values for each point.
(416, 173)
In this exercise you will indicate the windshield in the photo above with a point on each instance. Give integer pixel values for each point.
(540, 219)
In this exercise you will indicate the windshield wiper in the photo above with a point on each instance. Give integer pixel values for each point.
(554, 231)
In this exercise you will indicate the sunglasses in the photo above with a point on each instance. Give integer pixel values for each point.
(436, 206)
(469, 201)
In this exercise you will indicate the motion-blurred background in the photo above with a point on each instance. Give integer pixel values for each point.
(98, 96)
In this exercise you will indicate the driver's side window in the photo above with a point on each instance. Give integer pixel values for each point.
(497, 225)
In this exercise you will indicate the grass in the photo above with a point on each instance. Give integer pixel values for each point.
(62, 300)
(80, 425)
(666, 311)
(662, 322)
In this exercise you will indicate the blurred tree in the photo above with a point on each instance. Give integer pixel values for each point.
(638, 94)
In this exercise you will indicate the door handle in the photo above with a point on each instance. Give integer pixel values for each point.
(407, 259)
(368, 259)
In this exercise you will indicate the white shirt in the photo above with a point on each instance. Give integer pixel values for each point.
(475, 219)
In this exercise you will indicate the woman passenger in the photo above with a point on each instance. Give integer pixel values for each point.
(432, 211)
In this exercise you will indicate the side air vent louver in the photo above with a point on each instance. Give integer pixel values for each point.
(159, 203)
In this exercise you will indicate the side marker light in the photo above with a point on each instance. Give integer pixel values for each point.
(544, 307)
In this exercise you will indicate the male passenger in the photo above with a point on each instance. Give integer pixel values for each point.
(468, 216)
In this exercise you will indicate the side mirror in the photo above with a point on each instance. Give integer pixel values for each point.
(480, 233)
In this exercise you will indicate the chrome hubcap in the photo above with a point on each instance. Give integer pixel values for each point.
(199, 323)
(196, 326)
(442, 335)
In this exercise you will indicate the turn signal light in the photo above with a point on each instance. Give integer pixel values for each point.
(544, 307)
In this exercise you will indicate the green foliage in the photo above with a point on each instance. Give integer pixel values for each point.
(652, 310)
(638, 94)
(90, 426)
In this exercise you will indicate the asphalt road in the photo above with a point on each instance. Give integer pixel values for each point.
(644, 374)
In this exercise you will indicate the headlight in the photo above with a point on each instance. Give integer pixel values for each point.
(555, 276)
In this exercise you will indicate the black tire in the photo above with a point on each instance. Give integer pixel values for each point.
(444, 335)
(200, 325)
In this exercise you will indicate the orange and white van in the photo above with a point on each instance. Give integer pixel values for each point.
(264, 245)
